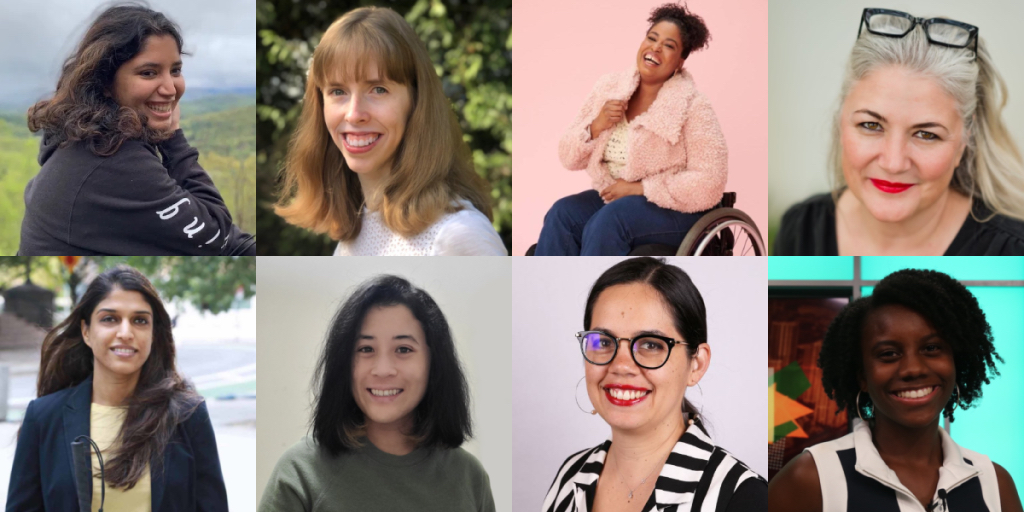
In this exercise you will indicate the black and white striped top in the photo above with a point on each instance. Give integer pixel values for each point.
(854, 477)
(697, 477)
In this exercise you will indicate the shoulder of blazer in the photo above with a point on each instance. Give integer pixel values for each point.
(52, 405)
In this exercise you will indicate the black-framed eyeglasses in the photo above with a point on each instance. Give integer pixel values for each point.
(940, 31)
(649, 351)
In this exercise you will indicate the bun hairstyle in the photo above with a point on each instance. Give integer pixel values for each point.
(83, 108)
(692, 28)
(681, 297)
(991, 167)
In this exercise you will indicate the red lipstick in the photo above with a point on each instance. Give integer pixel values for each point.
(625, 388)
(889, 187)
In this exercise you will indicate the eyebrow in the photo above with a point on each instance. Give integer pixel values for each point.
(115, 311)
(667, 38)
(154, 65)
(372, 81)
(637, 334)
(878, 116)
(397, 337)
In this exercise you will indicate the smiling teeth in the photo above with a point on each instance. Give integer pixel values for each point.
(124, 351)
(360, 141)
(160, 108)
(385, 392)
(624, 394)
(915, 393)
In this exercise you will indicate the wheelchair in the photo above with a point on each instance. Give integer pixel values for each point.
(722, 231)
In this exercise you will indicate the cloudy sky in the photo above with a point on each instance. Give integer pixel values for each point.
(37, 35)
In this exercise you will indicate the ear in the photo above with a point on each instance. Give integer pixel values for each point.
(862, 382)
(85, 333)
(699, 364)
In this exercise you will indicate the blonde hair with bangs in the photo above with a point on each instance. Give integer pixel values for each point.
(432, 167)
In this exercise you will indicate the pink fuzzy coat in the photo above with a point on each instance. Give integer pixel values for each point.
(676, 148)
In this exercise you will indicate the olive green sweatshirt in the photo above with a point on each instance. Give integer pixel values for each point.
(307, 479)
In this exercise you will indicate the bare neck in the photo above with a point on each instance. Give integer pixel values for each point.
(927, 232)
(111, 389)
(392, 437)
(636, 451)
(899, 445)
(371, 184)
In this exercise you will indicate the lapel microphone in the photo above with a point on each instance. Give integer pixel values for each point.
(942, 501)
(83, 472)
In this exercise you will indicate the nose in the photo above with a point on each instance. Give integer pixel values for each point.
(166, 87)
(125, 329)
(383, 366)
(356, 113)
(894, 157)
(623, 364)
(912, 366)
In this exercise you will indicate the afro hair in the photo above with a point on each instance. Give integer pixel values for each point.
(941, 300)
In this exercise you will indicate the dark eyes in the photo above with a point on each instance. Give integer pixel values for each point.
(149, 73)
(137, 321)
(366, 349)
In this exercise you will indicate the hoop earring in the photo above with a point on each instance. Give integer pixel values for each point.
(697, 415)
(956, 403)
(592, 411)
(858, 406)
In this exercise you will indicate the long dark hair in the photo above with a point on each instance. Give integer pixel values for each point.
(83, 108)
(162, 398)
(680, 295)
(442, 417)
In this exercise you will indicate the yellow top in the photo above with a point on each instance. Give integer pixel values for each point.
(104, 425)
(617, 150)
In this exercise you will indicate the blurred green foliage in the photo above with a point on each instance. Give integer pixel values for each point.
(470, 43)
(207, 283)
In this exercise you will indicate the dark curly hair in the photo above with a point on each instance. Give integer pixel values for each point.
(82, 107)
(942, 301)
(694, 31)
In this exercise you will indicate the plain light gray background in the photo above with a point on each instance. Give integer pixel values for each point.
(809, 44)
(298, 298)
(550, 294)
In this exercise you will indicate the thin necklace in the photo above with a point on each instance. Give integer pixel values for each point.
(623, 480)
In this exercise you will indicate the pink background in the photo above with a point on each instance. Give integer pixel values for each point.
(563, 46)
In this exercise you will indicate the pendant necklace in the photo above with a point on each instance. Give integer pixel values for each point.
(623, 480)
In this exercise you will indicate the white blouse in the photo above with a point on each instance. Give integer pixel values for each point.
(464, 233)
(616, 153)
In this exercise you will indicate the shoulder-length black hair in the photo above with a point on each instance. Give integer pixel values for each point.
(681, 297)
(945, 303)
(82, 107)
(162, 398)
(442, 417)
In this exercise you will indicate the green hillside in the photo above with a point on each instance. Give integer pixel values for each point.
(220, 127)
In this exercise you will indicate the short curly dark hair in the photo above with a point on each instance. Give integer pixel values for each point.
(941, 300)
(694, 31)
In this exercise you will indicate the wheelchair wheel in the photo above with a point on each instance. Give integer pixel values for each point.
(723, 232)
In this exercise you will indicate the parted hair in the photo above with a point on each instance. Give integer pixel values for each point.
(991, 167)
(432, 166)
(82, 107)
(694, 32)
(162, 398)
(681, 297)
(441, 420)
(947, 306)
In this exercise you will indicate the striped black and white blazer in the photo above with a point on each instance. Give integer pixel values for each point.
(697, 477)
(854, 477)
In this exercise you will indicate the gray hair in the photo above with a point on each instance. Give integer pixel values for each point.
(991, 167)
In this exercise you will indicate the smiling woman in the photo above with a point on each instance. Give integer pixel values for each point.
(118, 176)
(391, 411)
(108, 372)
(914, 351)
(378, 160)
(922, 163)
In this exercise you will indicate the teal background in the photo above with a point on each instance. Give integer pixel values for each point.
(992, 427)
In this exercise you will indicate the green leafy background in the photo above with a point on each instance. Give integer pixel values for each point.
(470, 43)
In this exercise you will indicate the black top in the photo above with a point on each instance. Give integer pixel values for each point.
(809, 229)
(136, 202)
(186, 477)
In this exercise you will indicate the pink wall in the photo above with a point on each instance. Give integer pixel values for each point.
(563, 46)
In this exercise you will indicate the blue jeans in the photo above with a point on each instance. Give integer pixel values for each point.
(582, 225)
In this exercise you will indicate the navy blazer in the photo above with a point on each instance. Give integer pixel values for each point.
(42, 478)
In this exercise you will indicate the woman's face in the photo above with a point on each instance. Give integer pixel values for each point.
(151, 82)
(627, 310)
(908, 368)
(120, 334)
(390, 366)
(902, 137)
(661, 52)
(367, 120)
